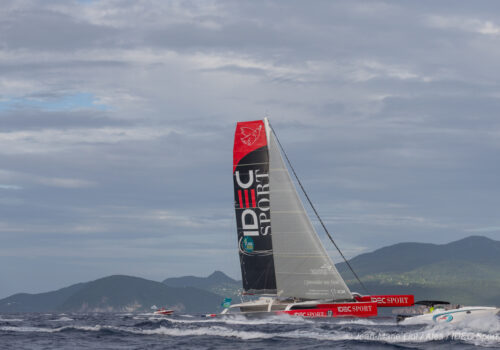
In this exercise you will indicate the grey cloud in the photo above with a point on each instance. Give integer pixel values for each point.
(389, 119)
(29, 68)
(42, 29)
(35, 119)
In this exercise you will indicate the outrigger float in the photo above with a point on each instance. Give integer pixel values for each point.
(281, 256)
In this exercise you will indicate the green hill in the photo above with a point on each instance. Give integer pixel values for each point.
(125, 293)
(217, 283)
(465, 271)
(112, 294)
(42, 302)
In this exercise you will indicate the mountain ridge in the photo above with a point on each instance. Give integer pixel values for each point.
(116, 293)
(466, 271)
(218, 283)
(411, 255)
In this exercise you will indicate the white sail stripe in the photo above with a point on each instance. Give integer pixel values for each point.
(290, 232)
(298, 256)
(250, 164)
(301, 274)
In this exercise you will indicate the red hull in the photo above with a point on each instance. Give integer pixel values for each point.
(361, 309)
(389, 300)
(164, 312)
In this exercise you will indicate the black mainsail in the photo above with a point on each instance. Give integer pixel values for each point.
(252, 206)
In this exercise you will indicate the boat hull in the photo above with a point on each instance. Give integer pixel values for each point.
(265, 306)
(362, 309)
(164, 312)
(451, 316)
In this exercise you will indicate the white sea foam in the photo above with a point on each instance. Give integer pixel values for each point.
(29, 329)
(11, 319)
(208, 331)
(363, 322)
(62, 319)
(422, 336)
(25, 329)
(487, 323)
(242, 320)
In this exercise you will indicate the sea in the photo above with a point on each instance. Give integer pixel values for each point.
(148, 331)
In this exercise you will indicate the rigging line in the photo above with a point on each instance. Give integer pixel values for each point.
(316, 212)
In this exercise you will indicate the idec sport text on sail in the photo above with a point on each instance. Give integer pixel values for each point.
(251, 182)
(253, 196)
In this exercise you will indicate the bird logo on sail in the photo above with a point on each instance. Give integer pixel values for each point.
(250, 135)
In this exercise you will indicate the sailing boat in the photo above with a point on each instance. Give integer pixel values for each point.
(282, 258)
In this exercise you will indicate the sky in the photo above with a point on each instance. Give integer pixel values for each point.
(117, 122)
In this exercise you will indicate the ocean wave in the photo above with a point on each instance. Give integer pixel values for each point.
(11, 319)
(216, 331)
(175, 332)
(62, 319)
(27, 329)
(243, 320)
(487, 323)
(423, 336)
(363, 322)
(486, 337)
(484, 332)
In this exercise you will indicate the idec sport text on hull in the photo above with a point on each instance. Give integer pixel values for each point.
(253, 202)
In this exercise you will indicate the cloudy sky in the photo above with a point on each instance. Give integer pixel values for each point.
(117, 122)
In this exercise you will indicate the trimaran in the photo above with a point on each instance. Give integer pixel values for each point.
(281, 256)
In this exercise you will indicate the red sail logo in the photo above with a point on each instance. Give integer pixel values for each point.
(250, 135)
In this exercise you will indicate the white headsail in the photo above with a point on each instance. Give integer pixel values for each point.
(303, 268)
